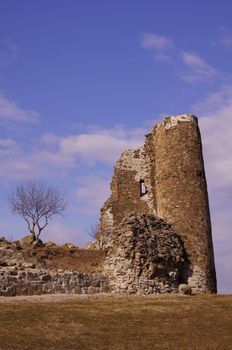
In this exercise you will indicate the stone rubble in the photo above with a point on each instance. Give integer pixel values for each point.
(144, 255)
(21, 274)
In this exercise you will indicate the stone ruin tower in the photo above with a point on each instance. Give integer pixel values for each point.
(166, 178)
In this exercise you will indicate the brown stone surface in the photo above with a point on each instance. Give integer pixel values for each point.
(145, 256)
(181, 195)
(171, 166)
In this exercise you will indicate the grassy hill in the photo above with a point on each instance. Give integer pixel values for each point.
(116, 322)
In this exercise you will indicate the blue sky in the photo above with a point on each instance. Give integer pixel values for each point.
(80, 81)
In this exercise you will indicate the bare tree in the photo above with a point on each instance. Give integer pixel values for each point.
(36, 203)
(92, 231)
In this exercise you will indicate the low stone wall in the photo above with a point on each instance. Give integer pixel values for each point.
(25, 282)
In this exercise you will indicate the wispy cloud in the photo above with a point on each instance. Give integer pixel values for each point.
(198, 70)
(11, 112)
(58, 232)
(215, 102)
(92, 192)
(189, 66)
(152, 41)
(8, 147)
(50, 153)
(102, 146)
(159, 45)
(216, 125)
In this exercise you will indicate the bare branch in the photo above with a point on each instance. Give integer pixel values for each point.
(36, 203)
(93, 230)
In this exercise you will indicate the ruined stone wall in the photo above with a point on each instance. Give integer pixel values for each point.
(28, 282)
(126, 197)
(171, 166)
(145, 256)
(23, 273)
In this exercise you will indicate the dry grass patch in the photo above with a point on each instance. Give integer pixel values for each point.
(58, 257)
(116, 322)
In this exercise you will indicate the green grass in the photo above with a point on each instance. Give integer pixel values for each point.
(117, 322)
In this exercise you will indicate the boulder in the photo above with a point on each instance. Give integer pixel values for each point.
(70, 246)
(26, 241)
(94, 245)
(37, 243)
(3, 241)
(184, 289)
(29, 241)
(49, 244)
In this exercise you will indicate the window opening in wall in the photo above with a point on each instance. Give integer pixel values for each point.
(143, 188)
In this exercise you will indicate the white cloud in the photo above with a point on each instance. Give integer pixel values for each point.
(216, 130)
(189, 66)
(93, 192)
(102, 146)
(223, 241)
(198, 70)
(8, 148)
(58, 232)
(215, 102)
(217, 136)
(11, 112)
(152, 41)
(13, 164)
(52, 153)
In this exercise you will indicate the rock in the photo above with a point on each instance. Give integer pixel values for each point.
(184, 289)
(94, 245)
(37, 243)
(26, 265)
(70, 245)
(40, 264)
(29, 241)
(3, 241)
(26, 242)
(12, 262)
(16, 245)
(50, 244)
(46, 277)
(3, 263)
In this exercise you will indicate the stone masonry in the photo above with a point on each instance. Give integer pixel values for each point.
(32, 281)
(145, 256)
(166, 179)
(22, 274)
